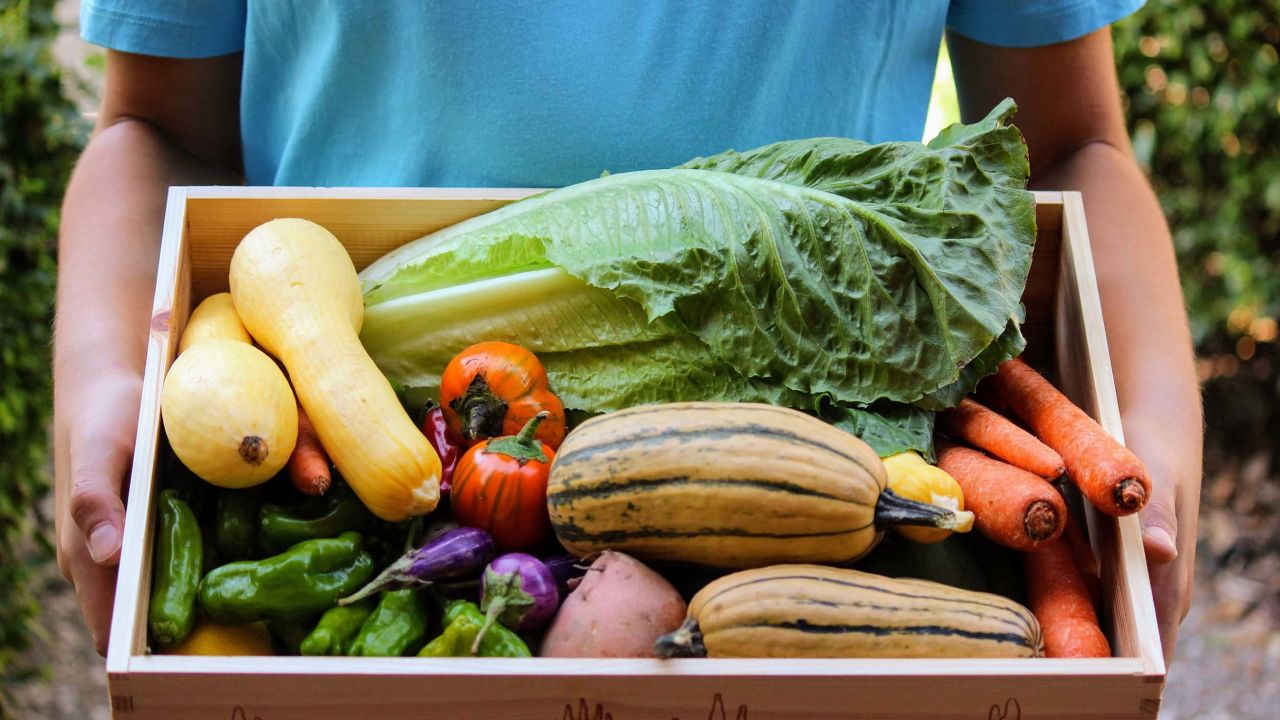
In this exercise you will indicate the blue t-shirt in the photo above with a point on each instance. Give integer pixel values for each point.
(550, 92)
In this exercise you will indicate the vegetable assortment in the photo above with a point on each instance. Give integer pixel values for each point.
(666, 412)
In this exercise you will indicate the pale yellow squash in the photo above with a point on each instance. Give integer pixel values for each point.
(912, 477)
(229, 413)
(214, 317)
(296, 291)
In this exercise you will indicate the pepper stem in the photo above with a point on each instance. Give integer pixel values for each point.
(522, 446)
(480, 411)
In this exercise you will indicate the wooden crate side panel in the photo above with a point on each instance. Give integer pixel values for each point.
(1084, 373)
(367, 223)
(1042, 282)
(522, 692)
(170, 307)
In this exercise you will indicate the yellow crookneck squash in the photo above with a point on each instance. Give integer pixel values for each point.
(295, 288)
(912, 477)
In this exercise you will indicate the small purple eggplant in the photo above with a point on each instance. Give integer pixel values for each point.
(460, 552)
(567, 570)
(518, 591)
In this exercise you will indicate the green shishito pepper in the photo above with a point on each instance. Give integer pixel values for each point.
(179, 560)
(337, 628)
(306, 579)
(236, 524)
(462, 622)
(337, 512)
(288, 633)
(397, 627)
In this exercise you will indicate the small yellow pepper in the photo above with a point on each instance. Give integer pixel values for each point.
(911, 477)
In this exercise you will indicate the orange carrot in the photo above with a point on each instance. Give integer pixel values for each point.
(1010, 506)
(990, 431)
(309, 465)
(1110, 476)
(1081, 550)
(985, 395)
(1080, 547)
(1061, 603)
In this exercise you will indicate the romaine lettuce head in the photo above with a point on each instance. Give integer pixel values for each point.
(865, 283)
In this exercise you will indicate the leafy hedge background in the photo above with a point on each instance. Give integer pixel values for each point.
(1202, 83)
(40, 136)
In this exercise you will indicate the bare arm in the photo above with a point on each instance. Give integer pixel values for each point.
(1069, 110)
(162, 122)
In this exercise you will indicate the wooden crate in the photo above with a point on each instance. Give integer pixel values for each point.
(1065, 332)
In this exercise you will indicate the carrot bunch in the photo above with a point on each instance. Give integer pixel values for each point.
(1008, 474)
(1112, 478)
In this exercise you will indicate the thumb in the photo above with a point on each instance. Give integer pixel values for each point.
(1160, 521)
(98, 467)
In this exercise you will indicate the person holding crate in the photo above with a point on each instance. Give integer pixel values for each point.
(203, 92)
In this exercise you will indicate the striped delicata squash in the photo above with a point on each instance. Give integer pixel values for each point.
(814, 611)
(730, 485)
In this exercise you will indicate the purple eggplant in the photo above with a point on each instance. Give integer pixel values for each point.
(567, 570)
(519, 591)
(461, 552)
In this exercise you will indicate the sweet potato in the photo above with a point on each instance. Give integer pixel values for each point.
(618, 610)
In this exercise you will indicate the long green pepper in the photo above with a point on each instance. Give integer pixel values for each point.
(326, 517)
(236, 524)
(397, 627)
(337, 628)
(462, 622)
(288, 633)
(179, 560)
(307, 579)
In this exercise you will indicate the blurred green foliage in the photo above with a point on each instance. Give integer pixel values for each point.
(1203, 86)
(40, 136)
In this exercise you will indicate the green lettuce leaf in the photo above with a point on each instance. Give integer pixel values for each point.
(867, 276)
(888, 427)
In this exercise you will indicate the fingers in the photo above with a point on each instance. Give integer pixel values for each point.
(1160, 519)
(96, 589)
(1169, 536)
(1171, 589)
(99, 463)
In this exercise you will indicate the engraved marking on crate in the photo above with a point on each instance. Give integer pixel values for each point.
(586, 712)
(1012, 710)
(122, 703)
(239, 714)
